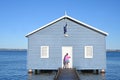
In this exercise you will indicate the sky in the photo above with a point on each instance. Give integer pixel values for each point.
(19, 17)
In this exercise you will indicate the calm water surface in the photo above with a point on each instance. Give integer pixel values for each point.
(13, 67)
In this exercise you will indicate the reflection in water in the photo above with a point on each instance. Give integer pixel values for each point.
(43, 76)
(90, 76)
(83, 76)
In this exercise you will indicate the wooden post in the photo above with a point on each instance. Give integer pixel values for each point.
(39, 71)
(36, 71)
(97, 71)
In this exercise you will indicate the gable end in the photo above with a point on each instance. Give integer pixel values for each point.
(72, 19)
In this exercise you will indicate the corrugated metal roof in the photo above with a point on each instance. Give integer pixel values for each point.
(68, 17)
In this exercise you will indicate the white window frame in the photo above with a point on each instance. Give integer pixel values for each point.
(47, 51)
(89, 54)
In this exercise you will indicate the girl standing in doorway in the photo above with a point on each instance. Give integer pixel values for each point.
(66, 61)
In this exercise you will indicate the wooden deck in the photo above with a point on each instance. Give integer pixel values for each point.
(67, 74)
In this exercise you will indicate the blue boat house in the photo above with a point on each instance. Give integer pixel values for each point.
(85, 44)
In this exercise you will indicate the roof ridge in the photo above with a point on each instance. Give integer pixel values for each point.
(66, 16)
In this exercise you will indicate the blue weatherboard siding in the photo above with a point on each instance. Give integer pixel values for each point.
(79, 36)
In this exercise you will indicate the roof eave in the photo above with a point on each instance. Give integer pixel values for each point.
(66, 16)
(91, 27)
(45, 26)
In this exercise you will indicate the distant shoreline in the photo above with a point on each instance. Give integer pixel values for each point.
(5, 49)
(113, 50)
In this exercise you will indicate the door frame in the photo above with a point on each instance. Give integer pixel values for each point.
(71, 55)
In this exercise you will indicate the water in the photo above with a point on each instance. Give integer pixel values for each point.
(113, 66)
(13, 67)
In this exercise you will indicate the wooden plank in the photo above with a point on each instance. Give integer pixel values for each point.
(67, 74)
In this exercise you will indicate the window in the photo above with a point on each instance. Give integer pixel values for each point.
(44, 51)
(88, 51)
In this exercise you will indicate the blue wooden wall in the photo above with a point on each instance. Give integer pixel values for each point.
(79, 36)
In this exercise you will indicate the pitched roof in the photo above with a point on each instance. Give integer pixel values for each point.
(68, 17)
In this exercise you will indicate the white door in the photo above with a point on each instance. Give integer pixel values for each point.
(67, 49)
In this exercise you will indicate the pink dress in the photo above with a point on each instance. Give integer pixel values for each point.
(67, 59)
